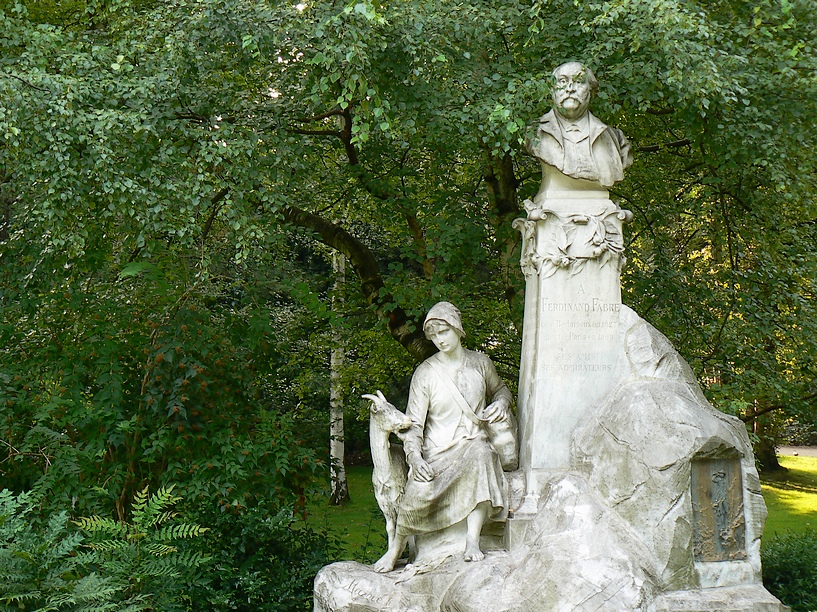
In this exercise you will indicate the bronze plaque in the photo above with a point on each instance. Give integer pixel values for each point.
(717, 510)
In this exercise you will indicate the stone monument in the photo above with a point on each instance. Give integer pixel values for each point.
(571, 256)
(632, 492)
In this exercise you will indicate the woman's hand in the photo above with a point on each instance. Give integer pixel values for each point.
(495, 411)
(422, 471)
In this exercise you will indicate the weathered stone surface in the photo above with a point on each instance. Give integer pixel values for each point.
(638, 449)
(615, 532)
(574, 143)
(570, 343)
(577, 556)
(458, 434)
(751, 598)
(353, 587)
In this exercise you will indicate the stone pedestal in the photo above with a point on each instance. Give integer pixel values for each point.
(658, 510)
(571, 257)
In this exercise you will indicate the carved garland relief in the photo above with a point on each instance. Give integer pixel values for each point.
(602, 236)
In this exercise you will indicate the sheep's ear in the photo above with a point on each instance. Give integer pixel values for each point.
(381, 396)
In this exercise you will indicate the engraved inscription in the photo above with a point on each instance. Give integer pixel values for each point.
(595, 305)
(597, 322)
(717, 510)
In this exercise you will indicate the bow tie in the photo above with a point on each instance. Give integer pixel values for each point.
(572, 127)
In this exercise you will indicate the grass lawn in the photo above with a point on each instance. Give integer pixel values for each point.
(359, 523)
(791, 496)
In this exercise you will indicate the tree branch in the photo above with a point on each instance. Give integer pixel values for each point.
(772, 407)
(501, 184)
(344, 134)
(220, 195)
(674, 144)
(660, 111)
(25, 82)
(346, 137)
(334, 133)
(406, 331)
(192, 116)
(413, 223)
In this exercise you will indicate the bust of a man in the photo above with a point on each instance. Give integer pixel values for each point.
(572, 140)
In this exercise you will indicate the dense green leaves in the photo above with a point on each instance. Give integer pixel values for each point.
(262, 560)
(104, 565)
(789, 569)
(175, 174)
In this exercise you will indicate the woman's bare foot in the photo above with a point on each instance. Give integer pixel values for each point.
(474, 523)
(472, 551)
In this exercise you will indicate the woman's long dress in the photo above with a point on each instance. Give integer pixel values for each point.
(467, 470)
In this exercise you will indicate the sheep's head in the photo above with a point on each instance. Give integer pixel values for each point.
(385, 415)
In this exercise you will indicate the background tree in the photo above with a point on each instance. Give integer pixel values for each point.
(337, 438)
(170, 172)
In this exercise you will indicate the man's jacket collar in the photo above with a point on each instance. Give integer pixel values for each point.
(549, 124)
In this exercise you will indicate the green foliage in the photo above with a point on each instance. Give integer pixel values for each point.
(138, 381)
(790, 569)
(49, 564)
(40, 562)
(263, 559)
(174, 176)
(145, 554)
(249, 559)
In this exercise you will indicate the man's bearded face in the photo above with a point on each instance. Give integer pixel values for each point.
(571, 92)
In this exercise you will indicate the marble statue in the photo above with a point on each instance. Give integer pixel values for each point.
(454, 472)
(571, 139)
(632, 493)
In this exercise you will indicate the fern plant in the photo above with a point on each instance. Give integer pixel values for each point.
(40, 565)
(145, 555)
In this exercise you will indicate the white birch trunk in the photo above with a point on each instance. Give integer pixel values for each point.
(339, 485)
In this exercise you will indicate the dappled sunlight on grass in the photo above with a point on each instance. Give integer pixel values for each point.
(791, 496)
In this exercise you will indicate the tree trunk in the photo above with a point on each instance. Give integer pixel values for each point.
(501, 184)
(5, 206)
(765, 453)
(337, 467)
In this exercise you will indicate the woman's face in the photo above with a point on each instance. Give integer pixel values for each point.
(444, 338)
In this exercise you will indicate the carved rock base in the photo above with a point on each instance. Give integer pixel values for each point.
(561, 567)
(659, 511)
(751, 598)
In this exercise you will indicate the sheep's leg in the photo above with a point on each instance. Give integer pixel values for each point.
(387, 561)
(391, 528)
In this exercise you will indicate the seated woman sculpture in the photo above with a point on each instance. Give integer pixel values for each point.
(454, 472)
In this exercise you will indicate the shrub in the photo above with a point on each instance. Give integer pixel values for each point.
(144, 556)
(800, 434)
(263, 560)
(39, 564)
(48, 564)
(790, 569)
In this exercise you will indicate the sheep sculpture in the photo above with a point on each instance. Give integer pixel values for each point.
(389, 461)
